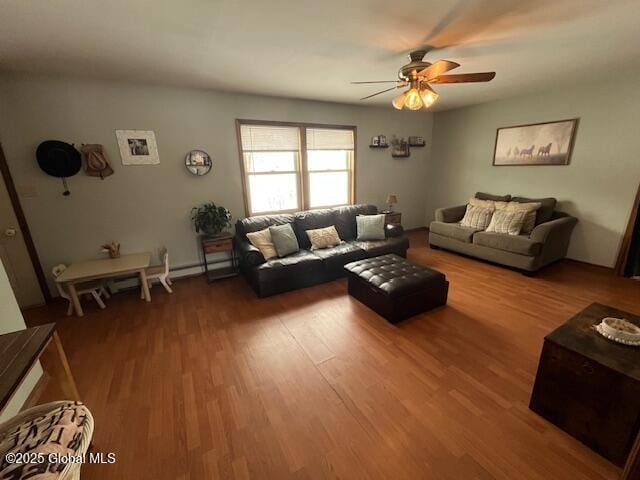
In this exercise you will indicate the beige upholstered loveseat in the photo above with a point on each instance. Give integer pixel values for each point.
(547, 243)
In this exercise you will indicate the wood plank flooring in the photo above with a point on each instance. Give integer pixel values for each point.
(212, 382)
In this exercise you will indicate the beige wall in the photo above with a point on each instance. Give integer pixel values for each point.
(10, 321)
(145, 207)
(599, 184)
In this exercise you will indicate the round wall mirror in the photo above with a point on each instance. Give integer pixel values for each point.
(198, 162)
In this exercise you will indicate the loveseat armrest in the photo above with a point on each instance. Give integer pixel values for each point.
(554, 236)
(248, 255)
(393, 230)
(557, 229)
(450, 214)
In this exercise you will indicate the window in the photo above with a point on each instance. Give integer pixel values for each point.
(271, 164)
(329, 167)
(292, 167)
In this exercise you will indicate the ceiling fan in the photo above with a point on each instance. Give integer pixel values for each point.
(418, 75)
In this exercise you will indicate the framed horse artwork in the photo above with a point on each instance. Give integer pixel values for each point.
(548, 143)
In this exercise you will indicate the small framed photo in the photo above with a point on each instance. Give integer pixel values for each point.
(138, 147)
(375, 141)
(416, 142)
(399, 148)
(383, 140)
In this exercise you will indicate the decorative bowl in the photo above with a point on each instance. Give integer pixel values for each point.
(619, 330)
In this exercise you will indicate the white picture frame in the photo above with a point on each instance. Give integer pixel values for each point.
(138, 147)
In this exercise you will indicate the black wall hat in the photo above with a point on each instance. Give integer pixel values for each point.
(59, 159)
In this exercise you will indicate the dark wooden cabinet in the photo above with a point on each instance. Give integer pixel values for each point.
(590, 386)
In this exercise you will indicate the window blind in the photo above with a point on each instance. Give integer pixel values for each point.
(268, 138)
(329, 139)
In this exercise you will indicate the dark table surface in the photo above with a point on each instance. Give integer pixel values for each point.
(578, 335)
(18, 352)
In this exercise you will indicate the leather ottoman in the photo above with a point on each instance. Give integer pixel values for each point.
(395, 288)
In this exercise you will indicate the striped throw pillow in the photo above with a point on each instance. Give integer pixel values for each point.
(531, 208)
(477, 217)
(530, 218)
(505, 221)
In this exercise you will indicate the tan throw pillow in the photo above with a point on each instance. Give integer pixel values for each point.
(505, 221)
(323, 237)
(497, 205)
(530, 218)
(477, 217)
(262, 241)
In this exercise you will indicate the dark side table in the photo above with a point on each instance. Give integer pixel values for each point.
(392, 218)
(215, 245)
(590, 386)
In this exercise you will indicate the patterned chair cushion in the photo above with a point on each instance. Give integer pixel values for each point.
(63, 429)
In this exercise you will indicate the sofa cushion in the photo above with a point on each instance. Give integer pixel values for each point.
(284, 239)
(495, 204)
(495, 198)
(373, 248)
(477, 217)
(323, 237)
(345, 219)
(545, 212)
(453, 230)
(299, 263)
(370, 227)
(311, 220)
(262, 241)
(520, 244)
(253, 224)
(338, 256)
(530, 218)
(505, 221)
(531, 209)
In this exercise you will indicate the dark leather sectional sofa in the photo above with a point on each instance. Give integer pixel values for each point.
(310, 267)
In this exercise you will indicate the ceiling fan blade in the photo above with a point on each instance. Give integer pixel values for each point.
(436, 69)
(464, 78)
(383, 91)
(377, 81)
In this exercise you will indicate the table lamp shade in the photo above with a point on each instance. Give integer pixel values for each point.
(392, 198)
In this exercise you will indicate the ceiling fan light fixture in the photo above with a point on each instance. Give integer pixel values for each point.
(398, 102)
(428, 95)
(412, 99)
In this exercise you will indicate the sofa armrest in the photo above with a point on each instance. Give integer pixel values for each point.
(450, 214)
(553, 230)
(393, 230)
(554, 236)
(248, 255)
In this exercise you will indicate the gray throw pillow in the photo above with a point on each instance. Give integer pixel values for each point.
(284, 239)
(370, 227)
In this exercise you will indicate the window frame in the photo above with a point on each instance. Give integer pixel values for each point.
(303, 177)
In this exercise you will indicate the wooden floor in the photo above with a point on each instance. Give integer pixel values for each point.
(212, 382)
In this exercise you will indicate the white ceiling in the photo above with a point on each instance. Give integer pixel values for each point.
(305, 49)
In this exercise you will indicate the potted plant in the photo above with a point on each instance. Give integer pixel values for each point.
(210, 219)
